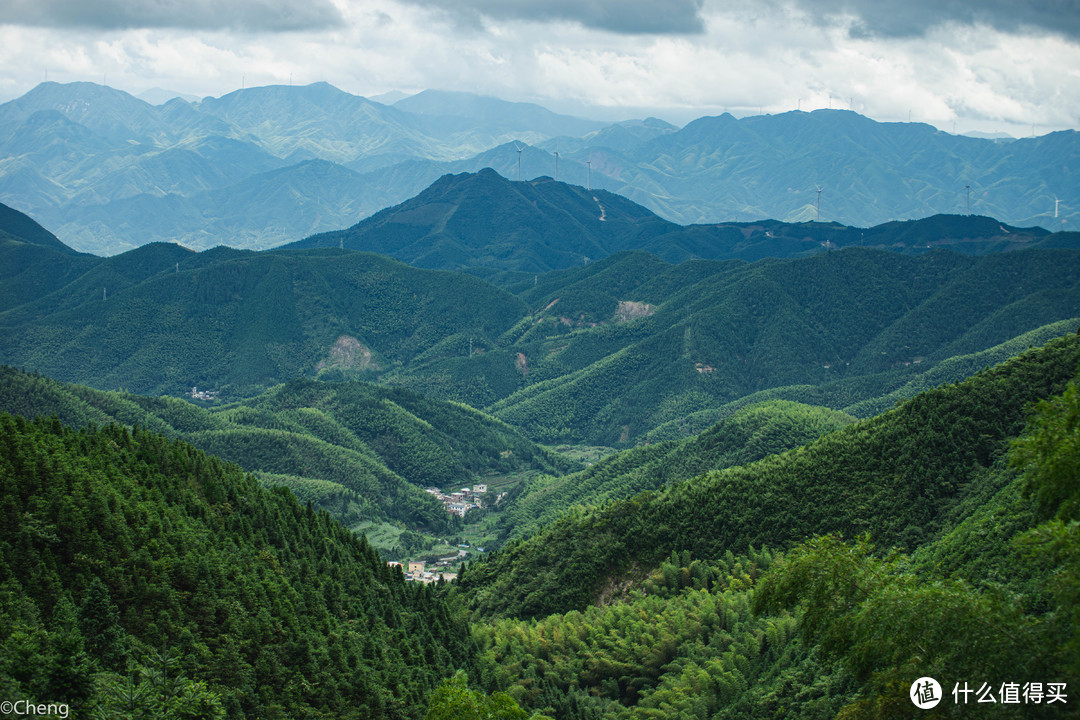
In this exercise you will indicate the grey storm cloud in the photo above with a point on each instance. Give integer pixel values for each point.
(619, 16)
(915, 17)
(243, 15)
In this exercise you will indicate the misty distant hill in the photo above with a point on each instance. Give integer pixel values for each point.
(110, 172)
(723, 168)
(524, 118)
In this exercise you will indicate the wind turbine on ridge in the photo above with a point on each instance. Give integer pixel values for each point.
(519, 149)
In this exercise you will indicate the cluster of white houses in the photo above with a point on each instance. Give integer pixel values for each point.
(457, 503)
(198, 394)
(417, 571)
(460, 502)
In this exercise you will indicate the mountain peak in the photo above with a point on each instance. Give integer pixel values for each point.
(108, 112)
(482, 219)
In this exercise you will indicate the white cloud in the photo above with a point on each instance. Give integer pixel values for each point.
(748, 56)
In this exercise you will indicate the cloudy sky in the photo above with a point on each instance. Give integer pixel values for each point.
(1005, 65)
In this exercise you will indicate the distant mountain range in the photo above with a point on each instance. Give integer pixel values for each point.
(265, 166)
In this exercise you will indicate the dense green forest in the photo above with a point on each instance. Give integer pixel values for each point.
(749, 434)
(161, 319)
(359, 451)
(905, 476)
(837, 393)
(129, 559)
(961, 565)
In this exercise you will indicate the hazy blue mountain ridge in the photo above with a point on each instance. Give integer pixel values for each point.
(70, 154)
(74, 156)
(722, 168)
(519, 117)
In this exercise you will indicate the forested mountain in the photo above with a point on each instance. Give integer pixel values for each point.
(255, 607)
(813, 489)
(33, 261)
(679, 610)
(749, 434)
(162, 319)
(142, 578)
(606, 352)
(109, 172)
(356, 450)
(484, 220)
(907, 477)
(19, 227)
(623, 346)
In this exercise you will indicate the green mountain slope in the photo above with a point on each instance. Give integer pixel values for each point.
(621, 347)
(896, 386)
(902, 476)
(601, 353)
(838, 629)
(480, 219)
(33, 261)
(15, 225)
(136, 556)
(355, 450)
(163, 319)
(750, 434)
